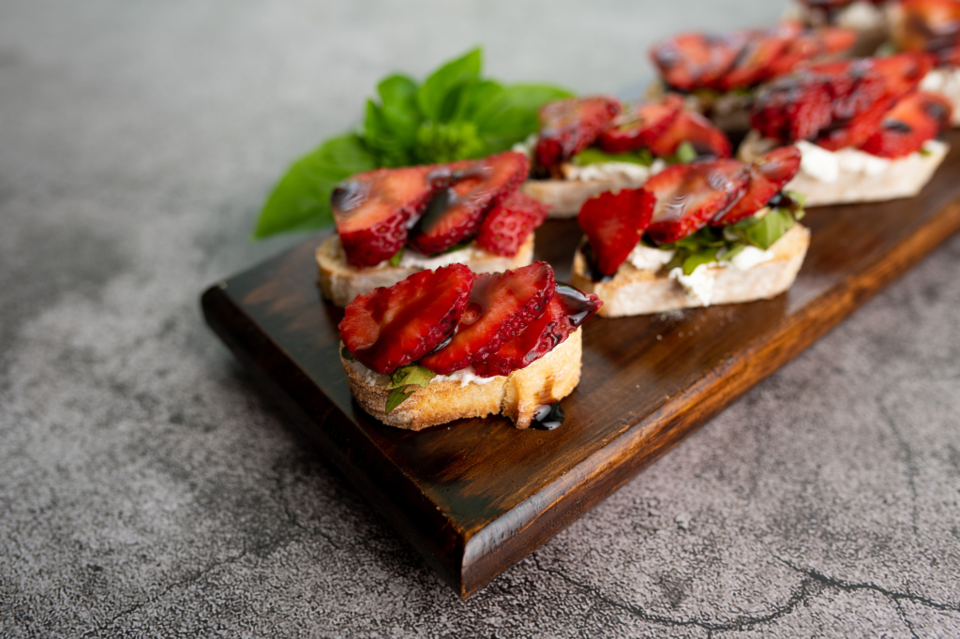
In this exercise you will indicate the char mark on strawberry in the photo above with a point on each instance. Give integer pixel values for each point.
(614, 222)
(500, 305)
(510, 223)
(768, 174)
(371, 211)
(469, 191)
(391, 327)
(569, 126)
(688, 196)
(566, 310)
(912, 121)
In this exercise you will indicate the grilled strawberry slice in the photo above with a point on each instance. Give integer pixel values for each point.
(641, 125)
(754, 64)
(903, 71)
(500, 305)
(569, 126)
(794, 107)
(768, 174)
(613, 224)
(691, 61)
(688, 196)
(567, 309)
(371, 211)
(911, 122)
(927, 26)
(510, 223)
(390, 327)
(707, 140)
(456, 212)
(856, 130)
(810, 45)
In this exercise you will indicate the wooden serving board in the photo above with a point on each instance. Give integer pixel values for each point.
(476, 496)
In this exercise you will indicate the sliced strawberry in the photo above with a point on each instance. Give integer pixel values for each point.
(456, 212)
(855, 131)
(371, 211)
(768, 174)
(810, 45)
(903, 71)
(567, 309)
(688, 196)
(640, 125)
(927, 26)
(795, 107)
(510, 223)
(911, 122)
(500, 305)
(391, 327)
(613, 223)
(569, 126)
(754, 64)
(707, 139)
(691, 61)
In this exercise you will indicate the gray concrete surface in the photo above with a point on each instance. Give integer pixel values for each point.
(148, 489)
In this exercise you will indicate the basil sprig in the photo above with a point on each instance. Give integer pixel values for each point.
(404, 382)
(454, 114)
(712, 244)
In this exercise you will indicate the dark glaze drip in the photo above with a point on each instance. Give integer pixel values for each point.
(548, 417)
(896, 125)
(591, 261)
(348, 196)
(443, 343)
(781, 201)
(575, 302)
(436, 209)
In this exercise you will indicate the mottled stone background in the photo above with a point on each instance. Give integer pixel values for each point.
(148, 489)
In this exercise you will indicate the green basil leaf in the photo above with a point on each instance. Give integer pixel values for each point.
(512, 115)
(475, 98)
(593, 155)
(395, 260)
(768, 229)
(398, 91)
(704, 256)
(685, 154)
(397, 396)
(438, 94)
(411, 374)
(347, 355)
(731, 253)
(388, 137)
(301, 199)
(439, 142)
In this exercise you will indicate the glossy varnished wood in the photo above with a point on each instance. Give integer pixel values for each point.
(476, 496)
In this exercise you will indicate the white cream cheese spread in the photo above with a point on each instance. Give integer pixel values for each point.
(465, 376)
(648, 258)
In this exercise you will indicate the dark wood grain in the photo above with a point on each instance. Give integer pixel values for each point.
(476, 496)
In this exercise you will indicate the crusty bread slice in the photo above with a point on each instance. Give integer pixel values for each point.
(902, 178)
(341, 281)
(565, 197)
(634, 291)
(517, 395)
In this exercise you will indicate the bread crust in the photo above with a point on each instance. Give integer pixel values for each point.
(634, 291)
(516, 396)
(565, 197)
(341, 281)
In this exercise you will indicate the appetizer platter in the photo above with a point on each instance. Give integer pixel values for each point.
(440, 345)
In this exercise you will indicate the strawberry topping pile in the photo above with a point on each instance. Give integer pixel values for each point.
(743, 59)
(931, 26)
(449, 319)
(434, 208)
(680, 201)
(850, 104)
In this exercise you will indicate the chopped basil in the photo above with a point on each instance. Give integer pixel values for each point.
(764, 231)
(592, 155)
(395, 260)
(685, 154)
(347, 355)
(404, 383)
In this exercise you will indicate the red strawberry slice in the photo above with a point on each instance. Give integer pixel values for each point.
(794, 107)
(927, 26)
(569, 126)
(688, 196)
(371, 211)
(510, 223)
(500, 305)
(613, 224)
(456, 212)
(642, 124)
(810, 45)
(707, 140)
(391, 327)
(855, 131)
(691, 61)
(904, 71)
(911, 122)
(754, 64)
(567, 309)
(768, 174)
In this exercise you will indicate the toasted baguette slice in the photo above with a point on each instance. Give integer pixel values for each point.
(565, 197)
(900, 178)
(341, 281)
(634, 291)
(517, 395)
